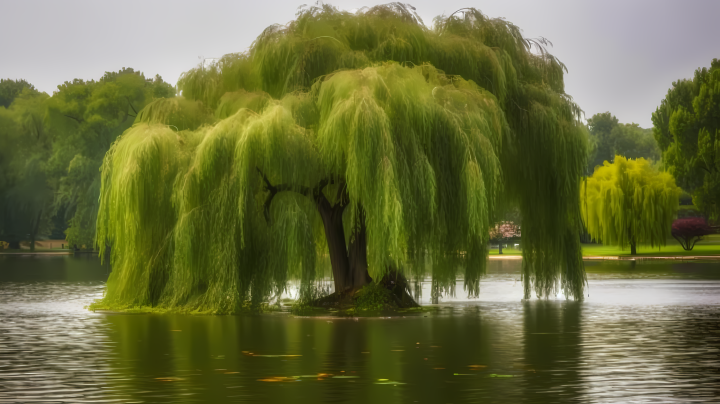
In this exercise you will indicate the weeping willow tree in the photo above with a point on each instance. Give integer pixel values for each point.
(629, 202)
(364, 137)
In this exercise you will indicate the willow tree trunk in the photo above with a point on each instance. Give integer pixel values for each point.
(358, 256)
(35, 227)
(633, 250)
(349, 269)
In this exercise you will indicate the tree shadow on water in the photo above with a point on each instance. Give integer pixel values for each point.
(552, 345)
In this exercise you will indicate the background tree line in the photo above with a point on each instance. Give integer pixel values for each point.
(609, 137)
(52, 147)
(630, 202)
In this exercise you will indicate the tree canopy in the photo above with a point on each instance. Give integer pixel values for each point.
(366, 135)
(609, 137)
(86, 117)
(10, 89)
(25, 147)
(601, 143)
(630, 203)
(687, 129)
(52, 149)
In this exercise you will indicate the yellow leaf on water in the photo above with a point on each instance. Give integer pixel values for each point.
(280, 379)
(476, 367)
(386, 381)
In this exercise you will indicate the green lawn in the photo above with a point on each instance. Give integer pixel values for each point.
(37, 250)
(709, 246)
(506, 251)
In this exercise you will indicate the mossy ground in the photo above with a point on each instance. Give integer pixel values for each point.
(370, 300)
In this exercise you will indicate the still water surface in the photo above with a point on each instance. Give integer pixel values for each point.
(647, 332)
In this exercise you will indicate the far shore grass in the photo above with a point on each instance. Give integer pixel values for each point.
(41, 246)
(24, 251)
(710, 245)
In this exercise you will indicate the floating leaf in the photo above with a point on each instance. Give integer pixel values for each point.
(280, 379)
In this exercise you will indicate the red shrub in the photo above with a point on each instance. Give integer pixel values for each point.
(688, 231)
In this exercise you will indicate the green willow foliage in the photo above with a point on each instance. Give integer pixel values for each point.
(424, 134)
(629, 202)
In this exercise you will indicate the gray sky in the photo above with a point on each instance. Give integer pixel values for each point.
(622, 56)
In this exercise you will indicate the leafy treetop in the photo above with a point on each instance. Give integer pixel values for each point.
(687, 128)
(609, 137)
(9, 89)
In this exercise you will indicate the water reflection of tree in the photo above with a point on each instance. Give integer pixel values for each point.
(139, 344)
(213, 358)
(553, 350)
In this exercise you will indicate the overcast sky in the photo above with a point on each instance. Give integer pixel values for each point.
(622, 56)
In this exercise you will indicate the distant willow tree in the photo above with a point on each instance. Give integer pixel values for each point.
(629, 202)
(365, 136)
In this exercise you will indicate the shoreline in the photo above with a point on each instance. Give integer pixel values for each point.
(624, 257)
(491, 257)
(41, 253)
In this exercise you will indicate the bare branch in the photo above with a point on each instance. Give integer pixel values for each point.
(302, 190)
(131, 106)
(78, 120)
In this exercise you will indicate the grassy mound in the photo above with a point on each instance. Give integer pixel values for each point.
(388, 295)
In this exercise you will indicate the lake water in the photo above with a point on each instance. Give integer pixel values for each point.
(647, 332)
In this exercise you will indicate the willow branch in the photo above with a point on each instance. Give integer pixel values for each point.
(131, 106)
(342, 197)
(78, 120)
(302, 190)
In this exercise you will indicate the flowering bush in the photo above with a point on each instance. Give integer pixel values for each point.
(688, 231)
(503, 231)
